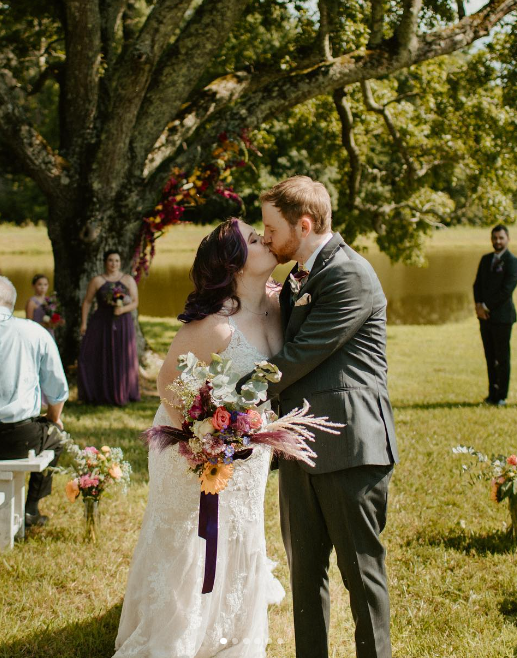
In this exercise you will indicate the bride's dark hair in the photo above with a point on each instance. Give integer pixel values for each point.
(219, 257)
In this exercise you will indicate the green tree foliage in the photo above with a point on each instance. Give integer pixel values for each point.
(449, 159)
(101, 99)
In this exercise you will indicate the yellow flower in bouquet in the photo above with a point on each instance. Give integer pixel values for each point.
(215, 477)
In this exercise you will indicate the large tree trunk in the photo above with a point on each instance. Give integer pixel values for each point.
(137, 100)
(79, 240)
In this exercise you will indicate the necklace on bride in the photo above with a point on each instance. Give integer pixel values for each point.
(264, 313)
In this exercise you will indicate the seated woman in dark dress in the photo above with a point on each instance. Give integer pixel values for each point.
(108, 360)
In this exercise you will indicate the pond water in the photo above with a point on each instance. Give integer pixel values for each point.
(436, 294)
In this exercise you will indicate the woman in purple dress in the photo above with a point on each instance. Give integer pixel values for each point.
(108, 360)
(35, 307)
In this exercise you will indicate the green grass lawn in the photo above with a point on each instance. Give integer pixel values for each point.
(451, 566)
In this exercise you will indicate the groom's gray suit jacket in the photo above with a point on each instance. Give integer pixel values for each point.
(335, 357)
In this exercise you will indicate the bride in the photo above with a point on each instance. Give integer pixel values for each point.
(232, 312)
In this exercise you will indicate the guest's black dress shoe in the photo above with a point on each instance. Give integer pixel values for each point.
(35, 519)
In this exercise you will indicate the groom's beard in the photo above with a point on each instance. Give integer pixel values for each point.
(287, 251)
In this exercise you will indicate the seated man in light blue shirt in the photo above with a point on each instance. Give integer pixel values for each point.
(29, 364)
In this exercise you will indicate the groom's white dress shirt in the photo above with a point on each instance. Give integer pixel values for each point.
(310, 261)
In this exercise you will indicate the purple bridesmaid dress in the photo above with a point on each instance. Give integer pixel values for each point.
(108, 360)
(39, 314)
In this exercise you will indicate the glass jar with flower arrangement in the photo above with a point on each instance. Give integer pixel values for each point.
(501, 472)
(95, 471)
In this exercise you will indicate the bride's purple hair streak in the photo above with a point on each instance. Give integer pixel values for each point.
(219, 257)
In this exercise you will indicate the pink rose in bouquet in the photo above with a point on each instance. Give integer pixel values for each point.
(221, 418)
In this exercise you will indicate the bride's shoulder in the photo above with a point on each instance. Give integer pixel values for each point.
(213, 327)
(202, 337)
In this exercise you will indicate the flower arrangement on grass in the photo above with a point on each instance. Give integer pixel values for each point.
(500, 471)
(94, 472)
(53, 316)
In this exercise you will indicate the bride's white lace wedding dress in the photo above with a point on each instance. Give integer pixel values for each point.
(165, 615)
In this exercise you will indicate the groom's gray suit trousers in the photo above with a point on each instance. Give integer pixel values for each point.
(344, 509)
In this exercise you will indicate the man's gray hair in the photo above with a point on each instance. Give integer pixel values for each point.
(7, 293)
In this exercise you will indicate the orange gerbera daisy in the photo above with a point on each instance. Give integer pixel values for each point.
(215, 477)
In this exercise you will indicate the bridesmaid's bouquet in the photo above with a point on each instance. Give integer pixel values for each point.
(116, 296)
(53, 316)
(221, 425)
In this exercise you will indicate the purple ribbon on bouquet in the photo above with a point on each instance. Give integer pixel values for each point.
(208, 529)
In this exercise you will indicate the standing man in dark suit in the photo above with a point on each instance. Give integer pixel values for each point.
(493, 288)
(334, 355)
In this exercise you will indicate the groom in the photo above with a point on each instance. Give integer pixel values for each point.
(334, 320)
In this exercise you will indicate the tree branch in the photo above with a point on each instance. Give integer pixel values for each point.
(347, 136)
(52, 71)
(203, 105)
(407, 29)
(129, 85)
(111, 15)
(180, 69)
(378, 10)
(81, 80)
(461, 9)
(324, 31)
(281, 94)
(261, 99)
(35, 155)
(397, 139)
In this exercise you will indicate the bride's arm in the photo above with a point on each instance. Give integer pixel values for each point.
(203, 338)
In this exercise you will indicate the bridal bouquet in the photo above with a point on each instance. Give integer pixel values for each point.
(52, 309)
(501, 471)
(221, 425)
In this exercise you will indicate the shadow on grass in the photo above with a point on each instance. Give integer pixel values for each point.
(426, 406)
(94, 638)
(508, 608)
(498, 542)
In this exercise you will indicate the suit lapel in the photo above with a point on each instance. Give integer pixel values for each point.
(325, 255)
(285, 299)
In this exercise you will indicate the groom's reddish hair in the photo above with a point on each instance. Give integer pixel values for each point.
(298, 196)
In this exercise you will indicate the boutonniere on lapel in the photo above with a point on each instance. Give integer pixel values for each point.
(297, 280)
